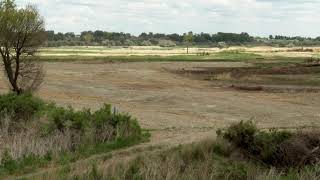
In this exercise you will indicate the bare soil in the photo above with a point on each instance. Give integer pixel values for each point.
(262, 77)
(177, 109)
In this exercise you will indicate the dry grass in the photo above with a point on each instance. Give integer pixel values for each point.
(189, 162)
(209, 159)
(216, 159)
(26, 142)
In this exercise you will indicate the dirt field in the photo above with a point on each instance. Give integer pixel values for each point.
(177, 109)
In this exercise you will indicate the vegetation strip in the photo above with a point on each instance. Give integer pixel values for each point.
(47, 135)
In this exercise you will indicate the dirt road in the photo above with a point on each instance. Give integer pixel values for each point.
(177, 109)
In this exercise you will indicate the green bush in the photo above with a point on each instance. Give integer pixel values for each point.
(68, 119)
(22, 107)
(103, 116)
(19, 109)
(262, 145)
(126, 126)
(241, 134)
(102, 124)
(266, 145)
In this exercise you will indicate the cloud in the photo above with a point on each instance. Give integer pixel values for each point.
(259, 17)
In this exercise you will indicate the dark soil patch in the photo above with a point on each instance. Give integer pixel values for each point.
(237, 72)
(262, 77)
(247, 88)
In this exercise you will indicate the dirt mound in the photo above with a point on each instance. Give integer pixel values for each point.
(267, 69)
(313, 62)
(247, 88)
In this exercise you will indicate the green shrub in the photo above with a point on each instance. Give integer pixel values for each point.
(241, 134)
(266, 145)
(20, 108)
(102, 124)
(68, 119)
(103, 116)
(124, 124)
(261, 145)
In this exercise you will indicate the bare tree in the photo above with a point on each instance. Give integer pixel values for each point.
(22, 32)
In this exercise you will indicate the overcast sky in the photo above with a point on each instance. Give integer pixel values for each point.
(257, 17)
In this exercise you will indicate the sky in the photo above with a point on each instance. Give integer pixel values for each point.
(257, 17)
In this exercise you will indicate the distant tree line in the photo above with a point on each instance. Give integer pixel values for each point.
(102, 38)
(298, 38)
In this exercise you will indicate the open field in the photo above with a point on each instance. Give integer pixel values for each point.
(213, 53)
(177, 109)
(180, 108)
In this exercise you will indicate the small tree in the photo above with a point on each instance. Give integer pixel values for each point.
(188, 39)
(21, 34)
(87, 37)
